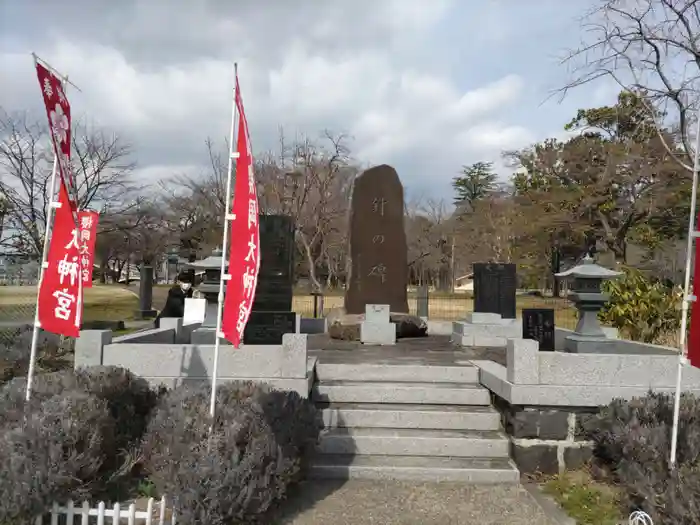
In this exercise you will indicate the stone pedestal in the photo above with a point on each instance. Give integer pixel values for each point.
(146, 310)
(377, 329)
(485, 330)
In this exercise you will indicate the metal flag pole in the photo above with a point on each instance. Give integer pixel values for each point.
(687, 298)
(50, 212)
(228, 216)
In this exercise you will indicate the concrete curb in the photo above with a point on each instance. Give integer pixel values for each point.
(550, 507)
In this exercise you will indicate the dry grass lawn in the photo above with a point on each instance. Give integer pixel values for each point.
(452, 307)
(102, 302)
(105, 302)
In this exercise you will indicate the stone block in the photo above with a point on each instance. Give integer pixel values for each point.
(378, 333)
(577, 456)
(310, 325)
(377, 313)
(553, 424)
(522, 359)
(483, 318)
(522, 423)
(535, 459)
(175, 324)
(89, 346)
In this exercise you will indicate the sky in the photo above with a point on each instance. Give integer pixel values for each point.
(424, 85)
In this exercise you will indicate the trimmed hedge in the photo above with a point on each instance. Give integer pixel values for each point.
(71, 438)
(253, 455)
(634, 439)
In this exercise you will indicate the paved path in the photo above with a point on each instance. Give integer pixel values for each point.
(359, 502)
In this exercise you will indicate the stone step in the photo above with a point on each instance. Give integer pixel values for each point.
(383, 415)
(386, 372)
(414, 468)
(401, 392)
(412, 442)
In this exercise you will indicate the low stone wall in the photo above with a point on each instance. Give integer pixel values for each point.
(544, 396)
(545, 439)
(168, 363)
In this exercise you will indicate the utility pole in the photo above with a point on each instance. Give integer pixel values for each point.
(452, 266)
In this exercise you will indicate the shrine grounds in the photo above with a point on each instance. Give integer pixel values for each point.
(116, 302)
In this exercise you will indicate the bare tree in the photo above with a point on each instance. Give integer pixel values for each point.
(648, 46)
(100, 163)
(311, 182)
(195, 204)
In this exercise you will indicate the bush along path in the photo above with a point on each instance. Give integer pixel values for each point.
(101, 433)
(632, 443)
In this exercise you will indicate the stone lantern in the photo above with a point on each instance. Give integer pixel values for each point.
(210, 286)
(588, 296)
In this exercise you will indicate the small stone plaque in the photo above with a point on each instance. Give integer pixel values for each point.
(538, 324)
(494, 289)
(267, 328)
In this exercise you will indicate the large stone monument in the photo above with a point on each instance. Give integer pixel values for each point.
(272, 315)
(378, 248)
(376, 302)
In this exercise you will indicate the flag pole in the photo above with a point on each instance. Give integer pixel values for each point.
(687, 297)
(228, 216)
(53, 205)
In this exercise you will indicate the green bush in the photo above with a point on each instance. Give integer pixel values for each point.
(641, 308)
(634, 438)
(237, 474)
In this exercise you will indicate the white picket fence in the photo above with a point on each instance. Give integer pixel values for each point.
(70, 514)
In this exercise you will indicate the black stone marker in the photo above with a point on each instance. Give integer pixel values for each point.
(267, 328)
(538, 324)
(271, 315)
(494, 288)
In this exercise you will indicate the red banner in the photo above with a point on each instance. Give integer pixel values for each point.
(244, 256)
(694, 335)
(58, 113)
(60, 292)
(88, 231)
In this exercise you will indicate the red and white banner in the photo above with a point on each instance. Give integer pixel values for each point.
(58, 113)
(87, 220)
(693, 338)
(244, 256)
(60, 290)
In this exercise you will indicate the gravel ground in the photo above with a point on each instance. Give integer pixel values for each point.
(359, 502)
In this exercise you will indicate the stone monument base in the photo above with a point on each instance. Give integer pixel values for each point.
(485, 330)
(586, 344)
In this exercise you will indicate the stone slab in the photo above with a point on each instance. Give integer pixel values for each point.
(401, 392)
(415, 468)
(420, 373)
(88, 347)
(383, 415)
(378, 333)
(414, 442)
(377, 313)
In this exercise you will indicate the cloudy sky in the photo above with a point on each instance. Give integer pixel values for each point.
(424, 85)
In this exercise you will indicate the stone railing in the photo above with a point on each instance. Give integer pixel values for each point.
(544, 396)
(163, 356)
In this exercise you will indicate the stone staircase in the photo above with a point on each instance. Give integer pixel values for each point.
(408, 422)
